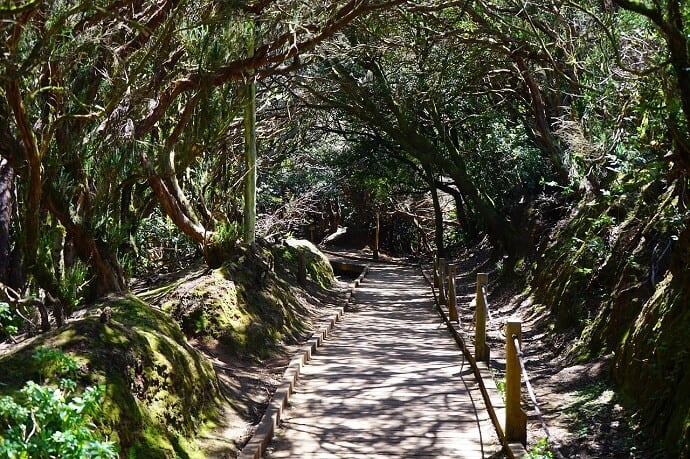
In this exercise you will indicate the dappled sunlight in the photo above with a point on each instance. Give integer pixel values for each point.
(388, 382)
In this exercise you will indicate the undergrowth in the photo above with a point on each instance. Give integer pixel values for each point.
(54, 419)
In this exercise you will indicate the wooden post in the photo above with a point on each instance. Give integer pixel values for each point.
(452, 301)
(516, 419)
(441, 280)
(312, 230)
(481, 350)
(376, 236)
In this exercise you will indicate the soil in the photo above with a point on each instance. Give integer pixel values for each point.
(249, 383)
(584, 414)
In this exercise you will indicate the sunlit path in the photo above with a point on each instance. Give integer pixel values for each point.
(389, 382)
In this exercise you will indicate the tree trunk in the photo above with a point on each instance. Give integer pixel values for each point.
(32, 156)
(6, 208)
(548, 141)
(250, 155)
(438, 214)
(173, 208)
(250, 162)
(499, 229)
(109, 274)
(468, 226)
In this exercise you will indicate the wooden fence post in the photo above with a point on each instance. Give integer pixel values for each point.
(452, 300)
(376, 235)
(441, 280)
(516, 419)
(481, 350)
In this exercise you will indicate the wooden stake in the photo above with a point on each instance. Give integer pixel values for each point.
(516, 419)
(376, 236)
(481, 350)
(441, 281)
(437, 283)
(452, 300)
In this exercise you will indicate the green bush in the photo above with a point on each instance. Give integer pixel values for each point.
(541, 450)
(8, 321)
(43, 421)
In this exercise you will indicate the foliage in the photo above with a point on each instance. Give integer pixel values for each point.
(9, 322)
(159, 391)
(541, 450)
(44, 421)
(122, 125)
(53, 363)
(158, 246)
(73, 283)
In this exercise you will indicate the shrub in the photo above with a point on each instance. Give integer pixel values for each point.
(43, 421)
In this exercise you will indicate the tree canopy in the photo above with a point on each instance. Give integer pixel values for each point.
(132, 133)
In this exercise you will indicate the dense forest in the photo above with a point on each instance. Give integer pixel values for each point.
(140, 137)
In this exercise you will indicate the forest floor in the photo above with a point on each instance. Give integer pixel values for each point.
(585, 415)
(249, 382)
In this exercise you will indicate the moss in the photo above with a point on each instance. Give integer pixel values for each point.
(319, 269)
(614, 273)
(246, 304)
(158, 389)
(207, 306)
(160, 392)
(653, 364)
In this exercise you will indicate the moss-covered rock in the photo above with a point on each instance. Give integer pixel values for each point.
(653, 360)
(318, 268)
(248, 304)
(206, 305)
(266, 301)
(615, 274)
(159, 390)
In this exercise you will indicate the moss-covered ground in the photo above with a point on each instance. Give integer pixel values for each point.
(613, 274)
(159, 390)
(183, 362)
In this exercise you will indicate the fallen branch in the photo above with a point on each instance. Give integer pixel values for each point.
(15, 300)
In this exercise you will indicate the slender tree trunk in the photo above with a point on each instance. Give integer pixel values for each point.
(32, 220)
(250, 163)
(467, 224)
(250, 150)
(438, 213)
(6, 209)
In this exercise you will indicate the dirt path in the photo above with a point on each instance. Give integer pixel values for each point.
(389, 382)
(249, 384)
